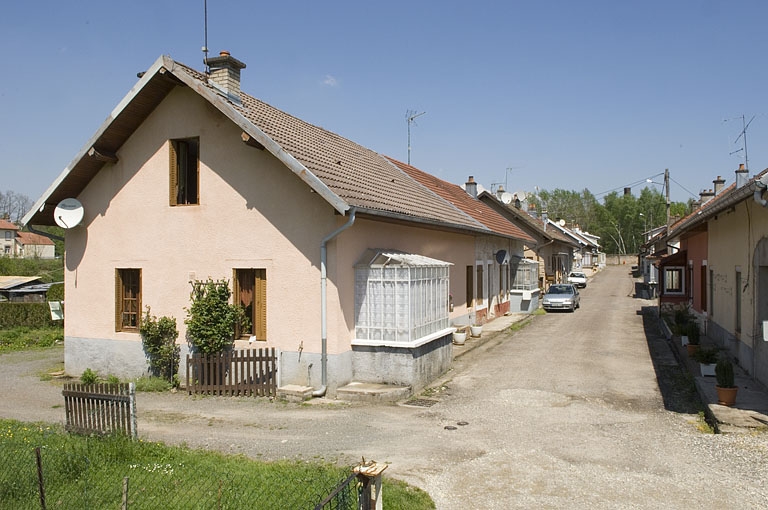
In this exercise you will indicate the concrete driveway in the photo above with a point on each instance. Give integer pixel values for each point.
(565, 413)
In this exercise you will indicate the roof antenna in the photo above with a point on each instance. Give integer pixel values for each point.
(744, 134)
(410, 118)
(205, 45)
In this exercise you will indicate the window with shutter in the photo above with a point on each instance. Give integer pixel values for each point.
(127, 299)
(250, 292)
(184, 163)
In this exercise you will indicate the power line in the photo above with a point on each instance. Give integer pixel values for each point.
(631, 185)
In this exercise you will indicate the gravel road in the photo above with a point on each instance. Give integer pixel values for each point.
(565, 413)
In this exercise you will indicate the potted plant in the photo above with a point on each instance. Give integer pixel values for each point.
(460, 336)
(694, 336)
(476, 330)
(707, 359)
(726, 385)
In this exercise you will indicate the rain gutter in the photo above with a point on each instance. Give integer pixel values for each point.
(320, 392)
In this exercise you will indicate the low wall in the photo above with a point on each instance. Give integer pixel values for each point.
(416, 367)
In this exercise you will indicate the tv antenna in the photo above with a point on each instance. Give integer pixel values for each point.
(410, 118)
(743, 134)
(205, 43)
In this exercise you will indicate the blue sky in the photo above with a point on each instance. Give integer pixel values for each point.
(548, 94)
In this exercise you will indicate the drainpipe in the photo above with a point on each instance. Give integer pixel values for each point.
(45, 234)
(762, 185)
(324, 305)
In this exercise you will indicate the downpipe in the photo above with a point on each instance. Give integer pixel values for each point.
(320, 392)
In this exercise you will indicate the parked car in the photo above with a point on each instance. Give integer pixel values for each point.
(578, 279)
(561, 296)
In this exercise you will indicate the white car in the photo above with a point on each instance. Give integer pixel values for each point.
(578, 279)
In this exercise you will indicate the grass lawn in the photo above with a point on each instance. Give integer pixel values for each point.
(24, 338)
(96, 472)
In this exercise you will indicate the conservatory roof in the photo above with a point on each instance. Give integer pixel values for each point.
(381, 257)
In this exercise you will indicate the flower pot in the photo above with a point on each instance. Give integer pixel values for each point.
(476, 331)
(726, 396)
(692, 348)
(707, 369)
(459, 338)
(684, 340)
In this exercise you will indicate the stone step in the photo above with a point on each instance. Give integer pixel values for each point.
(372, 392)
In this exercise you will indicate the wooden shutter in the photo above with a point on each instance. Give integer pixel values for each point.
(173, 177)
(118, 301)
(470, 286)
(260, 305)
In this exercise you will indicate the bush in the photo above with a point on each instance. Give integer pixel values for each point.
(32, 315)
(89, 376)
(724, 374)
(159, 339)
(706, 356)
(211, 321)
(694, 335)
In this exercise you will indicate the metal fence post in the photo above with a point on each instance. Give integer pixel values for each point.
(369, 474)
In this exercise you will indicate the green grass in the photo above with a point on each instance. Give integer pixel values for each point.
(91, 472)
(24, 338)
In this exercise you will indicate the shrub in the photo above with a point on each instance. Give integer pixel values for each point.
(706, 356)
(724, 374)
(694, 335)
(159, 339)
(211, 321)
(88, 376)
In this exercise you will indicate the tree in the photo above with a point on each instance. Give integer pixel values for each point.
(14, 206)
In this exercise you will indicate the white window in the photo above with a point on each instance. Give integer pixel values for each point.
(674, 280)
(399, 298)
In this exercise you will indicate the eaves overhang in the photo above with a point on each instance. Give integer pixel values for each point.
(102, 148)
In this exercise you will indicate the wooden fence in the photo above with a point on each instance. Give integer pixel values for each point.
(100, 408)
(250, 372)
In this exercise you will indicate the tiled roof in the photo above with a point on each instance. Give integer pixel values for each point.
(29, 238)
(462, 200)
(7, 225)
(361, 177)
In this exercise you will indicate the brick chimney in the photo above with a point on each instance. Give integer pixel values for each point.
(719, 184)
(225, 74)
(471, 186)
(742, 176)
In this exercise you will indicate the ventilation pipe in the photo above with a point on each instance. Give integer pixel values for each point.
(320, 392)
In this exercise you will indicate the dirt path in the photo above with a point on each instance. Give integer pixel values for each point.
(565, 413)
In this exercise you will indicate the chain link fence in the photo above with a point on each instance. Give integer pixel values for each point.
(34, 478)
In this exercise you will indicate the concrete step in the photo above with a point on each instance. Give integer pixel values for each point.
(372, 392)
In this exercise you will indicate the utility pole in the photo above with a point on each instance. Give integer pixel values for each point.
(410, 118)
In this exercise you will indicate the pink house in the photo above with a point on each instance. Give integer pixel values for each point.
(351, 267)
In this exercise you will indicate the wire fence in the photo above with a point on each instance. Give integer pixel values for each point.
(40, 477)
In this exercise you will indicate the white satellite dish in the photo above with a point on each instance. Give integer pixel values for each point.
(521, 195)
(69, 213)
(561, 223)
(506, 198)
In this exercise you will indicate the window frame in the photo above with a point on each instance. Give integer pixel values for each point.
(179, 151)
(258, 314)
(132, 278)
(681, 272)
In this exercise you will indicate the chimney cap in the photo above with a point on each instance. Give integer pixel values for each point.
(741, 168)
(224, 60)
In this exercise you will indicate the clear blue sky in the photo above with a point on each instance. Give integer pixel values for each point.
(566, 94)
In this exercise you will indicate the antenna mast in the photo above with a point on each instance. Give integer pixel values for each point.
(410, 118)
(205, 44)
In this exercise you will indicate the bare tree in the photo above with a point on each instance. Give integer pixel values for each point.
(13, 206)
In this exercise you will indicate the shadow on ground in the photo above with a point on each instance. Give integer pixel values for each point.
(677, 386)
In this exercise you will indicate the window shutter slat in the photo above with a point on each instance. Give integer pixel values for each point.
(173, 179)
(118, 300)
(260, 329)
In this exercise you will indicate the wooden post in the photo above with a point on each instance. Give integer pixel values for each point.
(369, 474)
(125, 493)
(40, 484)
(132, 401)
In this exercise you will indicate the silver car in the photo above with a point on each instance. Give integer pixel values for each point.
(561, 296)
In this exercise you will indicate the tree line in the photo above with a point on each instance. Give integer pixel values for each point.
(620, 220)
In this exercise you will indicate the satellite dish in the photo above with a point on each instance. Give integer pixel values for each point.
(506, 198)
(561, 223)
(521, 195)
(502, 257)
(69, 213)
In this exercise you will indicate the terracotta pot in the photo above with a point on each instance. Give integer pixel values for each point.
(726, 396)
(692, 348)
